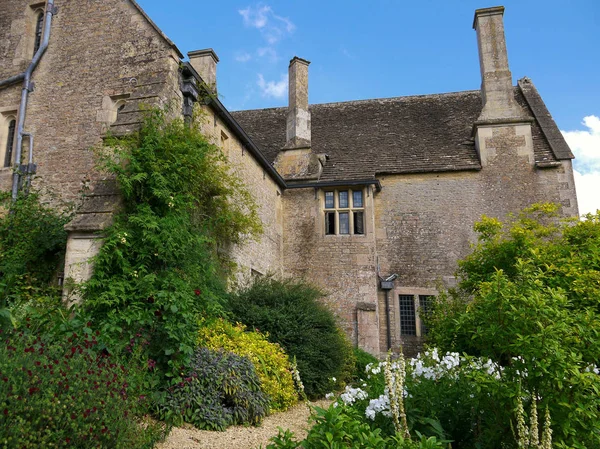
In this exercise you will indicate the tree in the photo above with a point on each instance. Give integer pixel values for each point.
(529, 298)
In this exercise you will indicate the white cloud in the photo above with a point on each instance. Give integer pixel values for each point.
(272, 26)
(256, 17)
(267, 52)
(587, 186)
(585, 145)
(272, 88)
(243, 57)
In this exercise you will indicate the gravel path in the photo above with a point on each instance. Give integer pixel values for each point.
(240, 437)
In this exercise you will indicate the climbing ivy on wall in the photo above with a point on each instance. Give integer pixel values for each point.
(160, 267)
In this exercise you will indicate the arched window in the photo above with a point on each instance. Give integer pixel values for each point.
(39, 23)
(10, 141)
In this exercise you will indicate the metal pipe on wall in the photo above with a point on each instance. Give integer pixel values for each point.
(50, 11)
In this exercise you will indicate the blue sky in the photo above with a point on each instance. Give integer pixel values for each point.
(386, 48)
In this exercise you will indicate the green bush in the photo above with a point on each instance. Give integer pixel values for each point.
(343, 427)
(159, 268)
(65, 392)
(290, 313)
(221, 389)
(32, 246)
(528, 299)
(270, 361)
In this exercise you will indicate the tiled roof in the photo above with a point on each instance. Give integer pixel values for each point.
(429, 133)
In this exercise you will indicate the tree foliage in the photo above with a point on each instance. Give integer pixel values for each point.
(159, 266)
(32, 246)
(529, 299)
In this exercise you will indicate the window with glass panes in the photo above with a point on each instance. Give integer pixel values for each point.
(408, 316)
(10, 142)
(344, 212)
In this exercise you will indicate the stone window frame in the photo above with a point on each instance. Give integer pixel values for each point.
(417, 294)
(350, 209)
(5, 118)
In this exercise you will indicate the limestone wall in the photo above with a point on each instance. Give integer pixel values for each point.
(99, 53)
(342, 265)
(263, 255)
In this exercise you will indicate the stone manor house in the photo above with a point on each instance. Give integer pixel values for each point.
(372, 200)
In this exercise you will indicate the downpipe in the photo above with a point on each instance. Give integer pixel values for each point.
(27, 88)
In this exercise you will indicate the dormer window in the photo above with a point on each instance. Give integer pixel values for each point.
(344, 212)
(39, 25)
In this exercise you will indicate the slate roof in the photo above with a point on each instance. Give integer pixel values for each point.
(417, 134)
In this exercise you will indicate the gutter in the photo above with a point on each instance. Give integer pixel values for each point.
(27, 88)
(357, 182)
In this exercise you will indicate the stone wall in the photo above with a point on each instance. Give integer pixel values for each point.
(263, 255)
(344, 266)
(99, 52)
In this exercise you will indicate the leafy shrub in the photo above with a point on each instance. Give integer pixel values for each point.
(32, 246)
(343, 427)
(290, 313)
(528, 300)
(270, 361)
(221, 389)
(158, 268)
(65, 392)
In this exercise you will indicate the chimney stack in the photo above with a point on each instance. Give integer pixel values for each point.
(298, 116)
(496, 79)
(296, 160)
(205, 63)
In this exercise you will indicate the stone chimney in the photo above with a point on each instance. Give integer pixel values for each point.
(503, 130)
(496, 80)
(296, 160)
(298, 116)
(205, 63)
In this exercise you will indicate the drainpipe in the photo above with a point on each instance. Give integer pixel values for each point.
(12, 80)
(27, 87)
(30, 168)
(387, 285)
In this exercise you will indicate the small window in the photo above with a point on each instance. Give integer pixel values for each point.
(341, 217)
(39, 24)
(330, 223)
(357, 198)
(329, 200)
(344, 223)
(424, 310)
(10, 142)
(359, 223)
(408, 317)
(343, 199)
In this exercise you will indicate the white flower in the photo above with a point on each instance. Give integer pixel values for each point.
(329, 395)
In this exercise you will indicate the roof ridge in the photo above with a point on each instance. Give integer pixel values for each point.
(371, 100)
